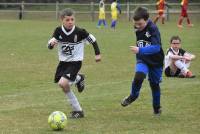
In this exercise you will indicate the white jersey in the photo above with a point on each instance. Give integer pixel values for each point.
(170, 52)
(71, 43)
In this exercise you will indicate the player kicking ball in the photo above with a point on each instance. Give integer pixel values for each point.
(177, 60)
(149, 57)
(70, 41)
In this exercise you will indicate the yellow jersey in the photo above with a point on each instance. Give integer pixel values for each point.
(114, 10)
(102, 10)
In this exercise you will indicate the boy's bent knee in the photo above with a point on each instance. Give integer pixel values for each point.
(139, 77)
(64, 84)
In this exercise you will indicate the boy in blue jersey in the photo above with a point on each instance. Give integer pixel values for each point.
(149, 57)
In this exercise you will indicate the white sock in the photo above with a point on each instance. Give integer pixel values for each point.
(187, 64)
(181, 65)
(78, 78)
(73, 101)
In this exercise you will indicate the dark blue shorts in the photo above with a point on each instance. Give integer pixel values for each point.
(154, 73)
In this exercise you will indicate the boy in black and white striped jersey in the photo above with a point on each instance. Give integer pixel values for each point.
(70, 41)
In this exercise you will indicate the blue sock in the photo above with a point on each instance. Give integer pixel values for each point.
(99, 23)
(135, 89)
(137, 84)
(155, 94)
(104, 23)
(113, 24)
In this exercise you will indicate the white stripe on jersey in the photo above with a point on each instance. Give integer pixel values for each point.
(91, 39)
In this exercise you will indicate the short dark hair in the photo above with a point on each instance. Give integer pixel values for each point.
(67, 12)
(141, 13)
(176, 37)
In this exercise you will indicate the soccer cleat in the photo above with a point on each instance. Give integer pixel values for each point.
(81, 84)
(127, 101)
(157, 111)
(76, 114)
(189, 75)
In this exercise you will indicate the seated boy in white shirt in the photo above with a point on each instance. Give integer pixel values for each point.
(177, 60)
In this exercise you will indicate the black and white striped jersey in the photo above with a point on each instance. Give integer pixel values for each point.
(170, 52)
(71, 43)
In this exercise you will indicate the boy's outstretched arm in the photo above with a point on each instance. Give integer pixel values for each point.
(119, 8)
(92, 40)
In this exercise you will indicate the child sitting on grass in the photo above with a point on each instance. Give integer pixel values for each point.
(177, 60)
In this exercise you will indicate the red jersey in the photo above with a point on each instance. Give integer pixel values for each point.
(184, 7)
(184, 3)
(160, 5)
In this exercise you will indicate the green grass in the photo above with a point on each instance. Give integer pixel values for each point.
(28, 94)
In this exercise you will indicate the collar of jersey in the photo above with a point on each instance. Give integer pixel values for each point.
(176, 53)
(67, 33)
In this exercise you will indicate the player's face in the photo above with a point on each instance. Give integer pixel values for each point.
(68, 22)
(140, 24)
(176, 44)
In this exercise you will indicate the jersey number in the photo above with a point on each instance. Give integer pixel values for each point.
(68, 49)
(141, 43)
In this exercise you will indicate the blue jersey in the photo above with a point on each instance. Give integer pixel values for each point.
(150, 47)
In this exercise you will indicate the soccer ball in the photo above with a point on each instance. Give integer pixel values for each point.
(57, 120)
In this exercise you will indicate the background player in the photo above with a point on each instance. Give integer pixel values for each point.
(149, 56)
(115, 8)
(70, 40)
(102, 15)
(177, 60)
(184, 14)
(160, 5)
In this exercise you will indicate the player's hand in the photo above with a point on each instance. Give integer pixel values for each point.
(134, 49)
(187, 58)
(98, 58)
(54, 43)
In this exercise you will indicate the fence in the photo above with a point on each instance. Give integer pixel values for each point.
(87, 11)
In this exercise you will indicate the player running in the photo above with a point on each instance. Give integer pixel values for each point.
(149, 57)
(160, 5)
(70, 40)
(184, 14)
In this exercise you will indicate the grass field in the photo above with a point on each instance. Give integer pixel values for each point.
(28, 94)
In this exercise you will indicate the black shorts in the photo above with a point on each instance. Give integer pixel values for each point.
(169, 73)
(68, 70)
